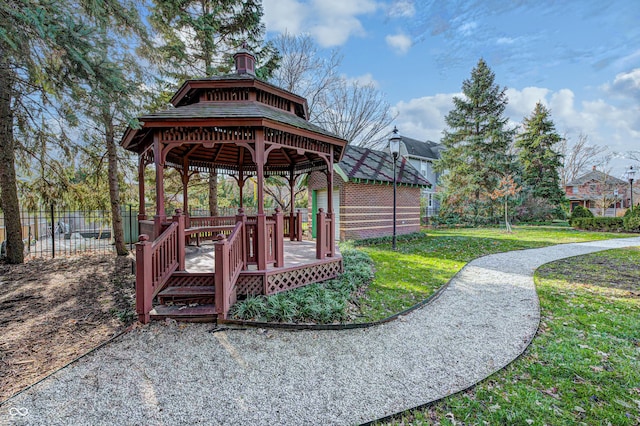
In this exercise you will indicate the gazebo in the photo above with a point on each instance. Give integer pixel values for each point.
(240, 126)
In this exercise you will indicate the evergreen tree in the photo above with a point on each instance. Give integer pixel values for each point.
(477, 144)
(199, 38)
(538, 157)
(45, 51)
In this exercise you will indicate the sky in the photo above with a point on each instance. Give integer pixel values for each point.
(581, 59)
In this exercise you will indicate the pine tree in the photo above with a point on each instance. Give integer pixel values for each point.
(538, 156)
(477, 143)
(45, 52)
(199, 38)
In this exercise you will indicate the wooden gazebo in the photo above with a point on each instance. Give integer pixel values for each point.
(240, 126)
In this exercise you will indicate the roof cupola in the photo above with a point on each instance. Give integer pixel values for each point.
(245, 61)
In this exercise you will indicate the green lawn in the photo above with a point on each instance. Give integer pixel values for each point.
(583, 367)
(421, 266)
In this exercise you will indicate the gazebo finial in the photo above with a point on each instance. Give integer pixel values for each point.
(245, 61)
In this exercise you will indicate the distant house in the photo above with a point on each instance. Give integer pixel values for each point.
(601, 193)
(422, 155)
(363, 190)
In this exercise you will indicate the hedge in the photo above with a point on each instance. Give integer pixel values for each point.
(612, 224)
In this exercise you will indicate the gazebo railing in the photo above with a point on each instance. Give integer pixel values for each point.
(293, 226)
(230, 260)
(325, 244)
(156, 261)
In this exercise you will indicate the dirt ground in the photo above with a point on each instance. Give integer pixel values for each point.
(52, 311)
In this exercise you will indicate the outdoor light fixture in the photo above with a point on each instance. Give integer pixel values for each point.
(615, 202)
(630, 175)
(394, 149)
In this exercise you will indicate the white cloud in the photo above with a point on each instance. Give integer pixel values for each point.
(467, 28)
(329, 22)
(399, 42)
(284, 15)
(505, 40)
(626, 84)
(423, 118)
(402, 9)
(522, 102)
(364, 80)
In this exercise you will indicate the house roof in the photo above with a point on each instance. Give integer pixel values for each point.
(426, 149)
(597, 176)
(364, 164)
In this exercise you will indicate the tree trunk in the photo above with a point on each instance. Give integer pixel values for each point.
(114, 187)
(213, 193)
(8, 189)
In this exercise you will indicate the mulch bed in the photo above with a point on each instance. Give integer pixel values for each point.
(52, 311)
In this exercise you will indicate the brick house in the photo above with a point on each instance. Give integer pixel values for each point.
(603, 194)
(363, 190)
(421, 155)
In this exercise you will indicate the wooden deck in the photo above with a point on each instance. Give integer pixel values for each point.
(296, 254)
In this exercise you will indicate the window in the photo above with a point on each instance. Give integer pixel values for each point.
(424, 168)
(430, 200)
(574, 189)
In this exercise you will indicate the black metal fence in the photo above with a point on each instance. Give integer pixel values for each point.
(52, 232)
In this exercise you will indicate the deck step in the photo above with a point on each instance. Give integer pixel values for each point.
(202, 295)
(198, 313)
(188, 291)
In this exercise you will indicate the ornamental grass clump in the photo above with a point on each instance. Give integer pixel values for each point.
(322, 303)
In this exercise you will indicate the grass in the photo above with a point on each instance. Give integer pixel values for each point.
(583, 367)
(424, 263)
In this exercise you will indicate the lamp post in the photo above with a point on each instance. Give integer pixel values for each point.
(615, 202)
(394, 149)
(630, 175)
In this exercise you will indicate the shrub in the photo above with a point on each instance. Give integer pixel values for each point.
(579, 212)
(631, 220)
(608, 224)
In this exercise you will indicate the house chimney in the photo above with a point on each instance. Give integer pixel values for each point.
(245, 61)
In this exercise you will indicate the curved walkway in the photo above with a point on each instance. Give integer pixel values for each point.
(184, 374)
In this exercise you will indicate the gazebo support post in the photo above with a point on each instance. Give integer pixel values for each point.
(241, 186)
(142, 213)
(185, 188)
(330, 215)
(261, 219)
(279, 238)
(160, 216)
(180, 218)
(292, 184)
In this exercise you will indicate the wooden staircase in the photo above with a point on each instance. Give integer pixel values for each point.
(187, 297)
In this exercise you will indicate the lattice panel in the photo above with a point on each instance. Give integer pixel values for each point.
(250, 284)
(288, 280)
(191, 280)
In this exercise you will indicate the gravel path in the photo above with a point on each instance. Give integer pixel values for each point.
(184, 374)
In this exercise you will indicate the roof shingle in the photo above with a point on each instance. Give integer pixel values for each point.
(369, 164)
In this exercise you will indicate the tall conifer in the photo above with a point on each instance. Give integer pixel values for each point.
(46, 52)
(477, 143)
(538, 156)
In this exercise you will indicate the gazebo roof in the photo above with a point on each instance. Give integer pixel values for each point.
(215, 123)
(243, 113)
